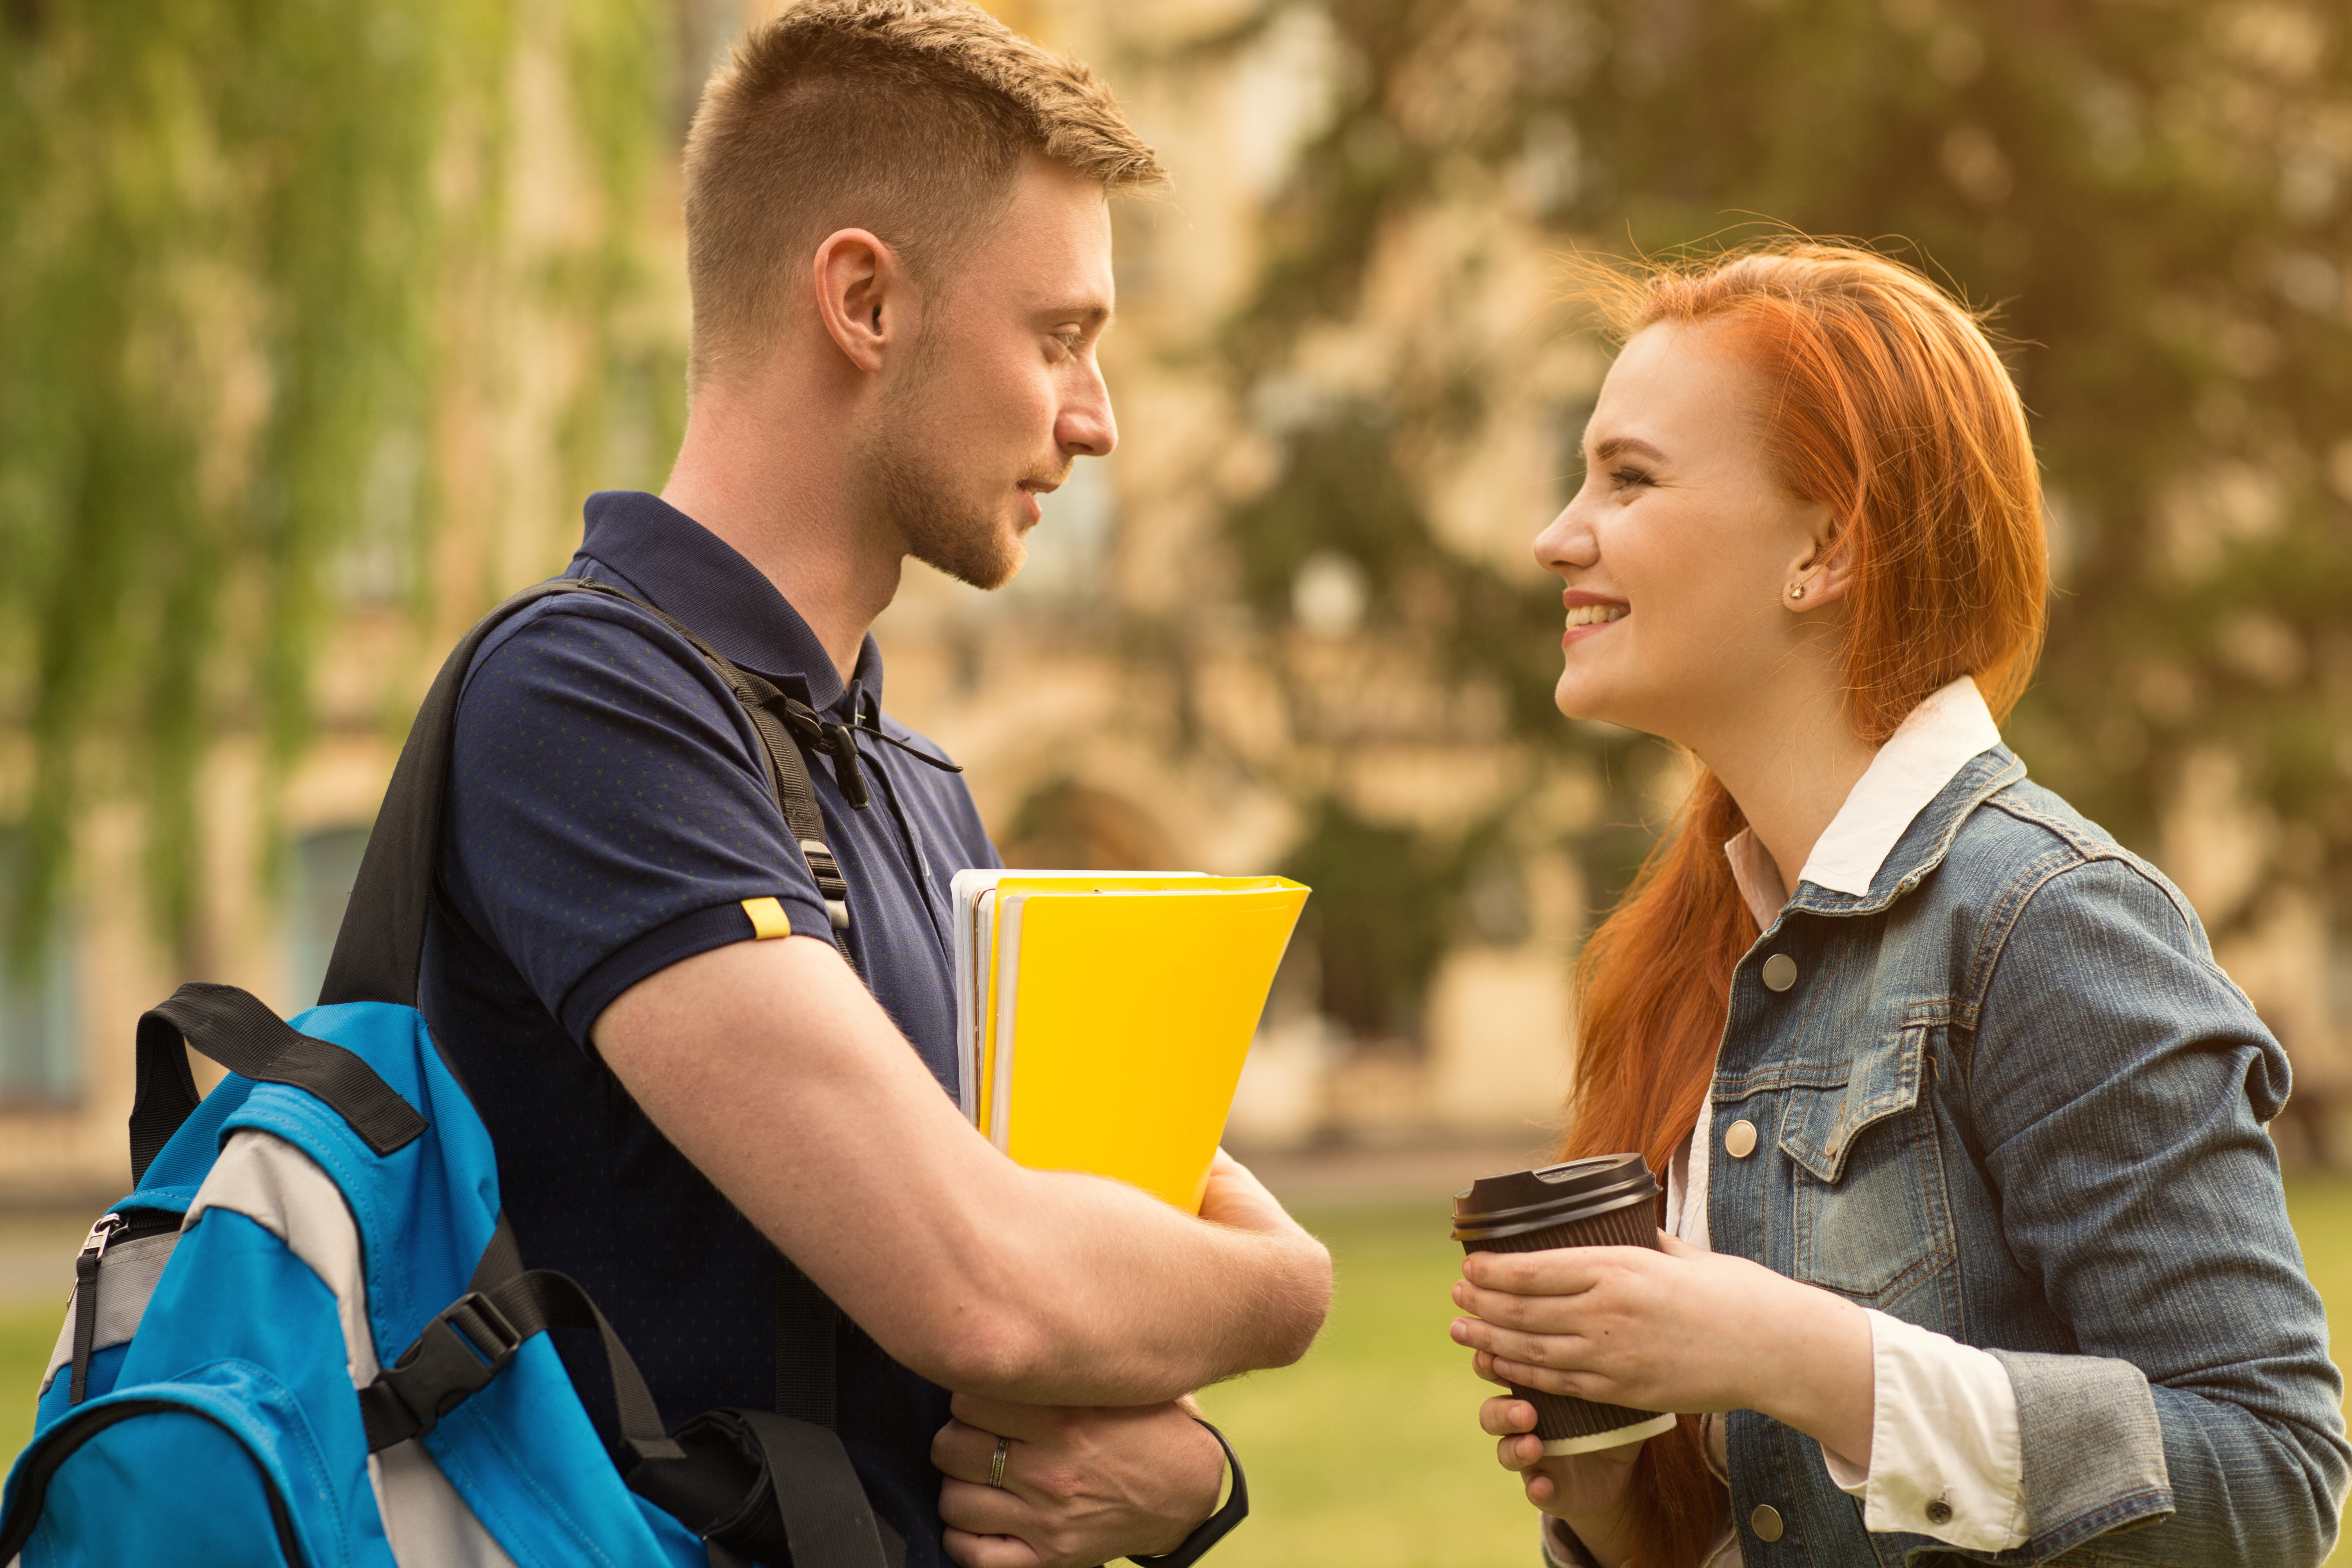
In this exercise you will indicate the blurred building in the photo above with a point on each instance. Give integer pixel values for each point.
(1129, 701)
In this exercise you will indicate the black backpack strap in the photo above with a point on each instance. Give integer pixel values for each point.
(238, 1030)
(785, 724)
(382, 938)
(468, 1341)
(382, 942)
(764, 1488)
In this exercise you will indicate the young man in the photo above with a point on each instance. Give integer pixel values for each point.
(900, 257)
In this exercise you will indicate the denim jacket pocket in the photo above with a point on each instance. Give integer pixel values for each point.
(1872, 1219)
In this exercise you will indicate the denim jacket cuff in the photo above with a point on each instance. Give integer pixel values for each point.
(2093, 1448)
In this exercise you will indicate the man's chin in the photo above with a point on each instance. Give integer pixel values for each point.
(987, 562)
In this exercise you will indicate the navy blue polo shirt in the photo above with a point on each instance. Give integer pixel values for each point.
(608, 812)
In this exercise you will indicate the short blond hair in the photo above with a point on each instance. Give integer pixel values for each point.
(908, 118)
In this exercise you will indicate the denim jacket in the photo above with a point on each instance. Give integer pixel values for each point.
(2009, 1097)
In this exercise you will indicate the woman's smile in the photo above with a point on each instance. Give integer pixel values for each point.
(1589, 615)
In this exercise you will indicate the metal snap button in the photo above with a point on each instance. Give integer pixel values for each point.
(1940, 1511)
(1780, 971)
(1739, 1138)
(1765, 1522)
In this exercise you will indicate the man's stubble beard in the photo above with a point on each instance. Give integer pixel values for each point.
(912, 494)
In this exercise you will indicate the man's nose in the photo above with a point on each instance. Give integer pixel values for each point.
(1086, 427)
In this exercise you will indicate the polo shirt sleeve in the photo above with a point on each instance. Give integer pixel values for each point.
(608, 810)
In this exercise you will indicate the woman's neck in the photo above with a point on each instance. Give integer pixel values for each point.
(1789, 764)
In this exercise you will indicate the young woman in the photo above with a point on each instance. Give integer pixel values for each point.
(1976, 1245)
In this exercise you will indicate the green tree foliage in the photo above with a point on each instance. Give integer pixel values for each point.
(227, 231)
(2156, 198)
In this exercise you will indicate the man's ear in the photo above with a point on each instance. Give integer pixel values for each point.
(1827, 569)
(863, 296)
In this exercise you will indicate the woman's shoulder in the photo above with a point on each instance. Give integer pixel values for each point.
(2024, 840)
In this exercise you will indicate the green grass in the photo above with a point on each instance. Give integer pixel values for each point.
(28, 1332)
(1367, 1454)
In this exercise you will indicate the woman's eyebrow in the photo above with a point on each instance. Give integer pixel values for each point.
(1617, 447)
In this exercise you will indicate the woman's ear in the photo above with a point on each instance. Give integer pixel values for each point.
(1826, 571)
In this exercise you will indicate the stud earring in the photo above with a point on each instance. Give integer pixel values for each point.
(1796, 590)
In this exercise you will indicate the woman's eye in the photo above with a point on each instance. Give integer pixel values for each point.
(1629, 475)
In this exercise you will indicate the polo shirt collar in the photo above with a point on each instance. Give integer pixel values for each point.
(692, 574)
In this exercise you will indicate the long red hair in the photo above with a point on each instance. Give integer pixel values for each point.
(1889, 408)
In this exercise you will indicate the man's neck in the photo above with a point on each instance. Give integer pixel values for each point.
(778, 483)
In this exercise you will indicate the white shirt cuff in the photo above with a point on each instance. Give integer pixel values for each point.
(1944, 1458)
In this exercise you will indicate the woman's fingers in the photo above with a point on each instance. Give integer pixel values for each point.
(1505, 1417)
(1563, 1271)
(1557, 1380)
(1519, 1455)
(1512, 1345)
(1539, 1314)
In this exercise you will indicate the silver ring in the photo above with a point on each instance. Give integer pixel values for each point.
(996, 1463)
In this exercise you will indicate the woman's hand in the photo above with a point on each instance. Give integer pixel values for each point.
(1584, 1492)
(1573, 1487)
(1679, 1329)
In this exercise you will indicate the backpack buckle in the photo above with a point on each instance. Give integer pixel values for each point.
(457, 1353)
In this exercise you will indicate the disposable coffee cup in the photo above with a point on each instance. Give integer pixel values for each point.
(1609, 1200)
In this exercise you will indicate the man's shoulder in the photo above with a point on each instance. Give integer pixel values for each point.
(583, 632)
(583, 692)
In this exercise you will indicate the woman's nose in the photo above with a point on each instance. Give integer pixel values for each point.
(1565, 543)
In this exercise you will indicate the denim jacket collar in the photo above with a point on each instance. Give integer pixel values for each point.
(1936, 744)
(1924, 842)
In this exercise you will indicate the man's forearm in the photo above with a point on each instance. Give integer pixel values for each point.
(1146, 1302)
(774, 1071)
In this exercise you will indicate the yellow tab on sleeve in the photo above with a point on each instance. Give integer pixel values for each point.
(767, 919)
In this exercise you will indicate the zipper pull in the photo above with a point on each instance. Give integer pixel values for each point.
(93, 1247)
(85, 1323)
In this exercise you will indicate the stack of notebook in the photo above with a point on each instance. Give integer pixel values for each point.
(1103, 1016)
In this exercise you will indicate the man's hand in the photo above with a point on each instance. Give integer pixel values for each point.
(1082, 1487)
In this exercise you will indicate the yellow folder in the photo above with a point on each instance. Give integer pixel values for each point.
(1122, 1012)
(982, 891)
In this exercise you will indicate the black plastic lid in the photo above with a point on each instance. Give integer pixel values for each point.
(1550, 1194)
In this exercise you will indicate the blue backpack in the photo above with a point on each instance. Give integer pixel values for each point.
(308, 1337)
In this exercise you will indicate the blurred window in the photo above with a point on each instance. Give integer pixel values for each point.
(320, 876)
(1068, 826)
(39, 1063)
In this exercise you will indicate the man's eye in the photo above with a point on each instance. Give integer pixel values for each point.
(1069, 340)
